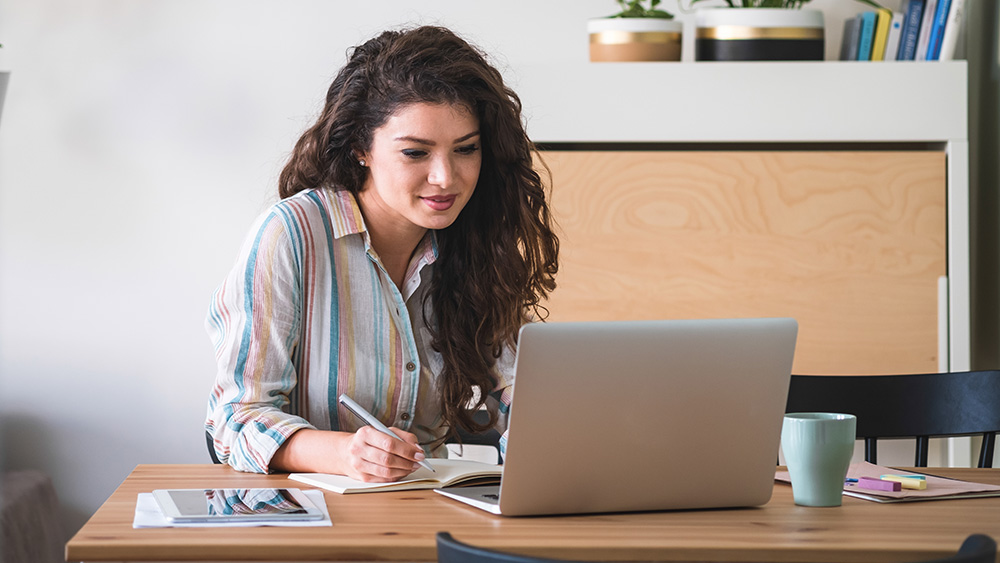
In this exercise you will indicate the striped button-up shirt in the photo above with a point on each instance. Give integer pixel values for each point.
(309, 312)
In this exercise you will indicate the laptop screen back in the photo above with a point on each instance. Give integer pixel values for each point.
(646, 415)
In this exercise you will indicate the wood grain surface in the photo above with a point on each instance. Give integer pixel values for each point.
(851, 244)
(401, 527)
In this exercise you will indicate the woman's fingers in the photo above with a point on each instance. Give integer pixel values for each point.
(380, 457)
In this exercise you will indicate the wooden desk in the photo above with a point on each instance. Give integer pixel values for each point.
(401, 526)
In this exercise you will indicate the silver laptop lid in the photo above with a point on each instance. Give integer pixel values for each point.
(646, 415)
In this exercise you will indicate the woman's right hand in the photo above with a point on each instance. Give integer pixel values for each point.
(366, 455)
(377, 457)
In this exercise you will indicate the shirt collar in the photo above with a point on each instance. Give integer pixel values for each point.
(345, 214)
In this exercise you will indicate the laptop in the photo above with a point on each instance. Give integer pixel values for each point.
(624, 416)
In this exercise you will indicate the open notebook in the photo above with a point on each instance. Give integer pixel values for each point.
(447, 473)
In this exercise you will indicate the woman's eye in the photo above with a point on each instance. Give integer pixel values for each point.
(414, 153)
(467, 149)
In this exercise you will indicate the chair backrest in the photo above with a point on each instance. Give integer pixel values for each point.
(211, 448)
(977, 548)
(490, 437)
(918, 406)
(450, 550)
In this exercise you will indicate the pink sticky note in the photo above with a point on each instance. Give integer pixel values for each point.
(878, 484)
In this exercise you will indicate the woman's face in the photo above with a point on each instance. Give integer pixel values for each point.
(423, 167)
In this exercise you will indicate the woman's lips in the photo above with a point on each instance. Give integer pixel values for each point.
(439, 202)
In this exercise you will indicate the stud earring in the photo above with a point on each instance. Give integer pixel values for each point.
(362, 162)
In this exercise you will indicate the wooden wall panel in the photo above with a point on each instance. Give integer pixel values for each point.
(851, 244)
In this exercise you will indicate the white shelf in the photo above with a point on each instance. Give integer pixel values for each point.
(745, 102)
(765, 102)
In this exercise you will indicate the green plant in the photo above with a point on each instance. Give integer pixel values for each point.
(635, 9)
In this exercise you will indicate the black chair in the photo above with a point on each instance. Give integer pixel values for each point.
(211, 448)
(450, 550)
(490, 437)
(918, 406)
(976, 548)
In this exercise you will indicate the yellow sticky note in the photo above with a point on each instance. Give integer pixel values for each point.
(907, 482)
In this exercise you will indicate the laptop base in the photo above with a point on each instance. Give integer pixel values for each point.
(485, 498)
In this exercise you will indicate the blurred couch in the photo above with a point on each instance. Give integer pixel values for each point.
(32, 525)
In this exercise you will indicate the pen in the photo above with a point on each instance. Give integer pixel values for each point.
(370, 420)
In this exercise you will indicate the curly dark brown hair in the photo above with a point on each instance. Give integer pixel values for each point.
(498, 260)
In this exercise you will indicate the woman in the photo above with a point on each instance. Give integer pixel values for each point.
(412, 242)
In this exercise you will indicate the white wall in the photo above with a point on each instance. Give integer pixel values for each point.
(138, 141)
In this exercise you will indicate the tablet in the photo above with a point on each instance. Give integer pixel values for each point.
(235, 505)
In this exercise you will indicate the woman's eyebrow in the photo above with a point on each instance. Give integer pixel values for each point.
(428, 142)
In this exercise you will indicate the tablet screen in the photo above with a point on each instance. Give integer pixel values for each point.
(233, 502)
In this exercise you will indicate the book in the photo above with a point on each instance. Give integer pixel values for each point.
(882, 20)
(926, 21)
(866, 35)
(937, 30)
(849, 42)
(938, 488)
(913, 13)
(895, 33)
(952, 30)
(447, 473)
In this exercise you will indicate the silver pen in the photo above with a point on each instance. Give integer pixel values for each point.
(375, 423)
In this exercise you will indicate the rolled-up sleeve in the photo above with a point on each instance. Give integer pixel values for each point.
(254, 321)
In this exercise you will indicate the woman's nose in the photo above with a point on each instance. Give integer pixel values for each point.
(440, 173)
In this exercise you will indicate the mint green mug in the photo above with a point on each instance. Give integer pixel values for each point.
(818, 447)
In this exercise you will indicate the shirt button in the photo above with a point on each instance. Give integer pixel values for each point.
(405, 416)
(410, 366)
